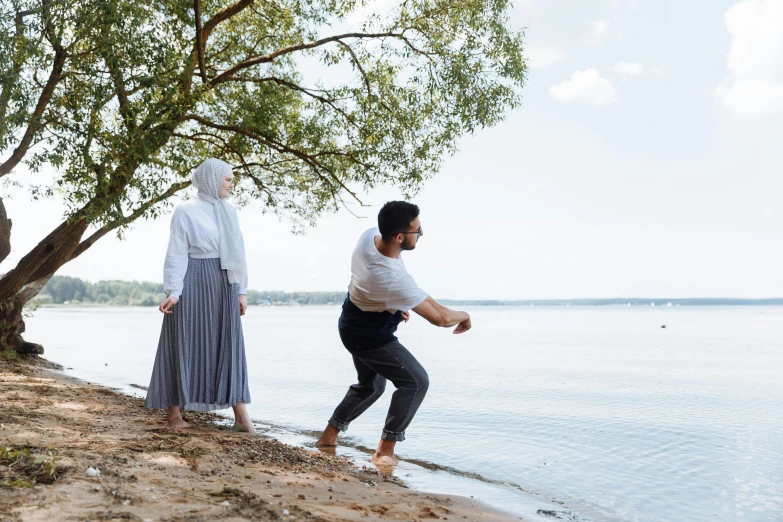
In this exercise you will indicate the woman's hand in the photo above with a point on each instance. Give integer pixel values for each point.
(242, 304)
(166, 305)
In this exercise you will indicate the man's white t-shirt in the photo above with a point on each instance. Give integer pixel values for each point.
(380, 283)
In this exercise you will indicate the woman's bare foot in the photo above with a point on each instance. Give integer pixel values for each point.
(178, 423)
(245, 426)
(328, 438)
(242, 420)
(174, 418)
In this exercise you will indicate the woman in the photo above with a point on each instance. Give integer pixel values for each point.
(201, 362)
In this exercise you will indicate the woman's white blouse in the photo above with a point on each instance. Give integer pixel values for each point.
(194, 233)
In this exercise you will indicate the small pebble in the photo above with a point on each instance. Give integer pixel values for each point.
(286, 512)
(225, 503)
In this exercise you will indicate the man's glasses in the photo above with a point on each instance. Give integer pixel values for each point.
(419, 231)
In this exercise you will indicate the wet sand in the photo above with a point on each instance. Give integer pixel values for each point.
(54, 427)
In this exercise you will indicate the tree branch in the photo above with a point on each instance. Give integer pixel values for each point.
(294, 48)
(95, 236)
(310, 159)
(57, 245)
(119, 88)
(199, 41)
(301, 89)
(358, 64)
(224, 15)
(16, 69)
(213, 22)
(31, 290)
(35, 120)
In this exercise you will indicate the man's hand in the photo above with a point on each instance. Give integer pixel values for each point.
(406, 316)
(168, 304)
(439, 315)
(242, 304)
(463, 327)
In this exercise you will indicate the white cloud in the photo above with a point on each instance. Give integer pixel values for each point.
(659, 72)
(585, 87)
(755, 60)
(627, 69)
(751, 97)
(543, 57)
(597, 33)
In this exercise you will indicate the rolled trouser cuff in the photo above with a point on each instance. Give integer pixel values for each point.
(398, 436)
(340, 425)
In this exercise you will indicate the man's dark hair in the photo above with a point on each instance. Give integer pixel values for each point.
(396, 217)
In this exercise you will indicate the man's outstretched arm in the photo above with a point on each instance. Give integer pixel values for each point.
(439, 315)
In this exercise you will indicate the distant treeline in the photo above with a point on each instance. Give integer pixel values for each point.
(72, 290)
(622, 301)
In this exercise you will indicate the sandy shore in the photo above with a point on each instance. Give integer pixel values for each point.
(52, 428)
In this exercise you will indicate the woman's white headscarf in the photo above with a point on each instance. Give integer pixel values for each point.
(208, 178)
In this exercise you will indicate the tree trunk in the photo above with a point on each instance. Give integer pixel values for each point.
(12, 308)
(12, 320)
(42, 261)
(5, 233)
(12, 326)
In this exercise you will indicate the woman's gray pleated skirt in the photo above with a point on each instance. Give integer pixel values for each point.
(201, 362)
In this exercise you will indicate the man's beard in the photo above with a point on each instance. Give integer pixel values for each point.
(408, 246)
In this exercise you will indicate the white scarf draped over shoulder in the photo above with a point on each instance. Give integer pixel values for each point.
(208, 179)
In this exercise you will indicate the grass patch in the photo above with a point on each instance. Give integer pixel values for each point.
(9, 355)
(26, 467)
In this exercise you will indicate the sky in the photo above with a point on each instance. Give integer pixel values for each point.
(645, 161)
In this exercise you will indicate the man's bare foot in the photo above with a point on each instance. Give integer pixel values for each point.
(328, 438)
(384, 455)
(329, 450)
(384, 460)
(177, 423)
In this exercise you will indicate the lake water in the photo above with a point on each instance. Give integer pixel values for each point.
(598, 414)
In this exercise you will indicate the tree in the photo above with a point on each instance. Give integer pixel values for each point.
(125, 97)
(5, 232)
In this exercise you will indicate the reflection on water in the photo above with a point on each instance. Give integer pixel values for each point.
(595, 412)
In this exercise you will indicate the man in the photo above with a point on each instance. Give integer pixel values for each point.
(380, 296)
